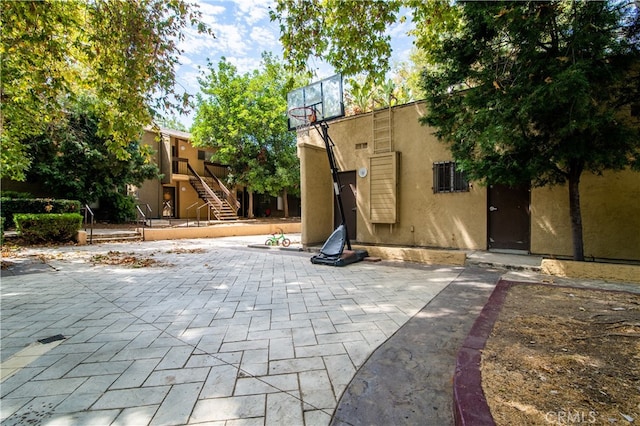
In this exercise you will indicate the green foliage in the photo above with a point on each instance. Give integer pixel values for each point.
(244, 118)
(435, 21)
(15, 194)
(124, 53)
(362, 96)
(74, 161)
(548, 84)
(118, 208)
(538, 92)
(48, 227)
(2, 221)
(13, 206)
(351, 35)
(546, 87)
(409, 74)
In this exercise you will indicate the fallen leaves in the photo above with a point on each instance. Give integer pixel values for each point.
(124, 259)
(556, 350)
(186, 251)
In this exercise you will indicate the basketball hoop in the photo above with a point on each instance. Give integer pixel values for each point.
(302, 117)
(315, 103)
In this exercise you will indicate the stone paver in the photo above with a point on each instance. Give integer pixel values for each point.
(217, 333)
(222, 334)
(408, 379)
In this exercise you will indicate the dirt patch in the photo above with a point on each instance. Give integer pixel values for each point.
(564, 356)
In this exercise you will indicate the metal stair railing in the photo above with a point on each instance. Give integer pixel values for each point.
(189, 208)
(211, 198)
(208, 213)
(88, 212)
(142, 216)
(228, 196)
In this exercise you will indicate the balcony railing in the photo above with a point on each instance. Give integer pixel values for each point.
(180, 166)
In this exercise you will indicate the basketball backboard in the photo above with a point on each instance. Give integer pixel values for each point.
(324, 96)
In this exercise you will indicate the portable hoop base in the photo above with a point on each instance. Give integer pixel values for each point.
(333, 253)
(346, 258)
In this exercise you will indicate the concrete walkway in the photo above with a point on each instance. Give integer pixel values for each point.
(407, 381)
(219, 333)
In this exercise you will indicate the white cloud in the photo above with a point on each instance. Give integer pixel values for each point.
(210, 12)
(265, 38)
(231, 39)
(242, 28)
(245, 64)
(187, 78)
(399, 29)
(253, 11)
(185, 60)
(195, 42)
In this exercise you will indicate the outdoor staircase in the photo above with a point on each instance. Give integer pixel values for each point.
(104, 236)
(222, 204)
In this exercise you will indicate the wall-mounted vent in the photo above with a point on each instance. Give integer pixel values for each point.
(383, 172)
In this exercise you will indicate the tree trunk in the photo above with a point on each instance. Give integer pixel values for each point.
(250, 209)
(576, 216)
(285, 203)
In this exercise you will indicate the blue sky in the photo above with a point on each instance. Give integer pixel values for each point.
(243, 31)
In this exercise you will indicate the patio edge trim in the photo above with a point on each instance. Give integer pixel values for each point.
(469, 403)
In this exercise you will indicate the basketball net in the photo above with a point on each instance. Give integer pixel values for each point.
(304, 117)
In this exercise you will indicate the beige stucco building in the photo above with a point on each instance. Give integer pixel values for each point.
(185, 169)
(400, 188)
(190, 182)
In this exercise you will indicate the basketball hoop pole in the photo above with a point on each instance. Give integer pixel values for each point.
(328, 143)
(313, 105)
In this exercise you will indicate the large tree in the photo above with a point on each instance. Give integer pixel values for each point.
(349, 34)
(243, 116)
(122, 52)
(73, 161)
(548, 86)
(538, 92)
(353, 35)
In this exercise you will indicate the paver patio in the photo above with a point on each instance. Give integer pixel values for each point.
(221, 334)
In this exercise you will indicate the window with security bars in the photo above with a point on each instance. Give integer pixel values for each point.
(447, 179)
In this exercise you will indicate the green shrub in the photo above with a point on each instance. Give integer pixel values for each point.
(48, 227)
(2, 229)
(12, 206)
(15, 194)
(118, 208)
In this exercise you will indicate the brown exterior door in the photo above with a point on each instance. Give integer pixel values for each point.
(348, 194)
(508, 217)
